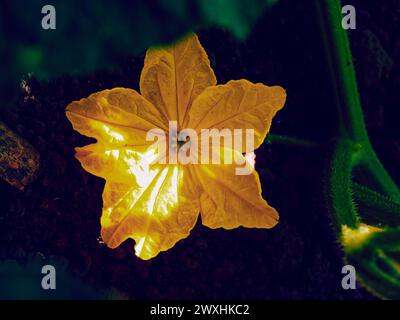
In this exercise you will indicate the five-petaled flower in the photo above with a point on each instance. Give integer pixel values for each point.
(158, 204)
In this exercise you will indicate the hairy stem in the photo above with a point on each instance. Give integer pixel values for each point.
(347, 101)
(341, 69)
(376, 208)
(339, 187)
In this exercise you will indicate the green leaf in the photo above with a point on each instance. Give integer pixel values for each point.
(235, 15)
(22, 281)
(95, 34)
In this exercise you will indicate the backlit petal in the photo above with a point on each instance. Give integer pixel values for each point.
(239, 104)
(172, 77)
(117, 117)
(116, 164)
(156, 212)
(229, 200)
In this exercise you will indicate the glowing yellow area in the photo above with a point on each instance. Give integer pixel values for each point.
(140, 165)
(353, 238)
(117, 136)
(155, 191)
(115, 153)
(139, 246)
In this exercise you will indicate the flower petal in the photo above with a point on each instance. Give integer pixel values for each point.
(118, 117)
(116, 164)
(229, 200)
(157, 212)
(239, 104)
(173, 77)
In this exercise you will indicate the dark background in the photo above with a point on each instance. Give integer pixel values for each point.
(58, 216)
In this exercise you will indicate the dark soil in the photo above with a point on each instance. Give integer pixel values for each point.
(59, 214)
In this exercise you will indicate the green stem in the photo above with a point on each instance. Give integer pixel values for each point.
(339, 187)
(347, 100)
(376, 208)
(375, 258)
(379, 175)
(292, 141)
(341, 69)
(377, 267)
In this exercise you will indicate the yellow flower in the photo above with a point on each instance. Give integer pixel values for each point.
(158, 204)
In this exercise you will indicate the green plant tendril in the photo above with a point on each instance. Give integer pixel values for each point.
(359, 192)
(353, 159)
